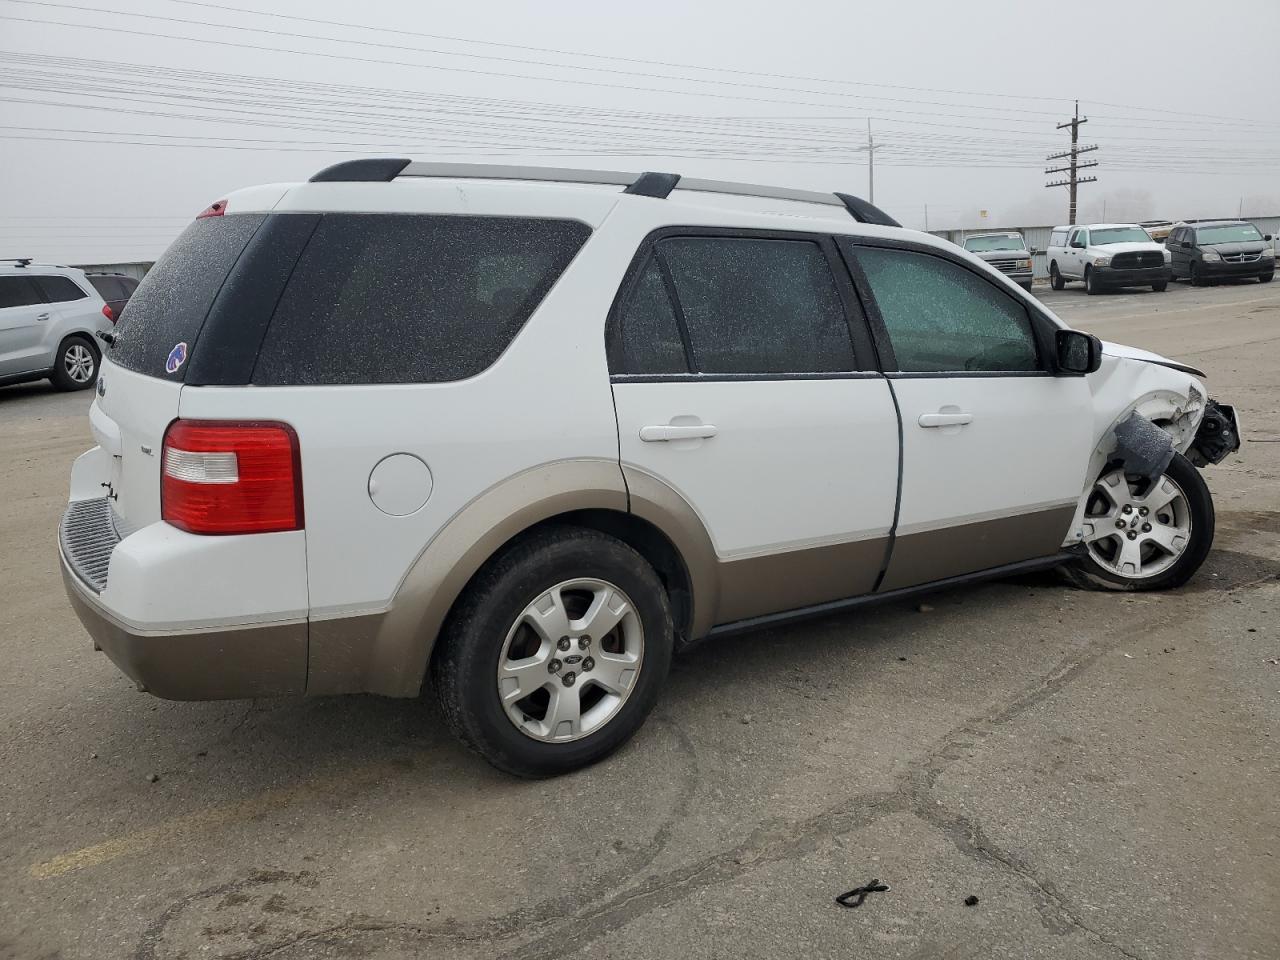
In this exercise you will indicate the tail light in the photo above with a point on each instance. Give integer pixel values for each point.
(216, 209)
(225, 477)
(108, 312)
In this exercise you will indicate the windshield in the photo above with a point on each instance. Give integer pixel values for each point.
(1101, 238)
(1232, 233)
(1007, 241)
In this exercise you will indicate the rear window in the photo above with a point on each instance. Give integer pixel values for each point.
(108, 287)
(392, 298)
(170, 305)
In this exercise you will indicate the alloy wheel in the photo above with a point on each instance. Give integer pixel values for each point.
(1136, 528)
(570, 660)
(79, 363)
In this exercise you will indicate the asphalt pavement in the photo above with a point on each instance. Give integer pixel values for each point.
(1099, 771)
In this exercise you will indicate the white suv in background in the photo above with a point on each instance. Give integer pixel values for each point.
(1106, 256)
(49, 319)
(521, 434)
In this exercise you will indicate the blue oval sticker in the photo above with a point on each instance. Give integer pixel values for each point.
(177, 357)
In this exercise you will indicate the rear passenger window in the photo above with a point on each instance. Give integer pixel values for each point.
(758, 306)
(645, 338)
(108, 287)
(59, 289)
(940, 317)
(18, 292)
(391, 298)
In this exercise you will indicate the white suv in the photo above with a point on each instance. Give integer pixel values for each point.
(50, 317)
(524, 433)
(1107, 255)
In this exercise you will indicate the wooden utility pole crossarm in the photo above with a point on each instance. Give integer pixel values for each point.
(1074, 166)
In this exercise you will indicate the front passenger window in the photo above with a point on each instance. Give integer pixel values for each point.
(940, 317)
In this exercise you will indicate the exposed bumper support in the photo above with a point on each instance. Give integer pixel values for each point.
(1218, 436)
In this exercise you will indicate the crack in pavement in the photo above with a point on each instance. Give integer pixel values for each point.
(573, 922)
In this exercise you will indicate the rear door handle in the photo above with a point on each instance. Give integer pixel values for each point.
(42, 316)
(945, 419)
(678, 431)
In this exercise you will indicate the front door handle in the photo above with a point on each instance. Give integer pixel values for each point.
(677, 431)
(945, 419)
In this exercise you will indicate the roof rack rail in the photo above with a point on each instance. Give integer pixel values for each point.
(20, 261)
(367, 170)
(650, 184)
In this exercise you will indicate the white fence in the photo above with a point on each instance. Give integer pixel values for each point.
(1038, 238)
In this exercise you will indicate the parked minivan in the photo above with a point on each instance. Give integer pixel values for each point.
(518, 435)
(1205, 252)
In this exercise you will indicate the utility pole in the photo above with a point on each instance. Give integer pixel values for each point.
(1074, 165)
(871, 165)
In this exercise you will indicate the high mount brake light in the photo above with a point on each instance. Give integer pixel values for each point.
(229, 477)
(216, 209)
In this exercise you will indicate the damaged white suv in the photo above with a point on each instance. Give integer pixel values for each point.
(521, 434)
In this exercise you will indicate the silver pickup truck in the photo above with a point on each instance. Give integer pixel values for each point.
(1006, 251)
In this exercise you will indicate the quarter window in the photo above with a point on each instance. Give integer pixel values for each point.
(394, 298)
(18, 292)
(646, 336)
(758, 306)
(59, 289)
(940, 317)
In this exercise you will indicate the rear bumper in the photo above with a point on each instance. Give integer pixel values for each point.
(1109, 276)
(226, 663)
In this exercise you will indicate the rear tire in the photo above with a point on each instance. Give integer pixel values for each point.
(514, 678)
(1156, 567)
(1055, 278)
(75, 367)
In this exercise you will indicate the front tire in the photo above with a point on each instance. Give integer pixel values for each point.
(1055, 278)
(1090, 282)
(1142, 535)
(556, 652)
(1161, 286)
(1266, 278)
(1196, 279)
(75, 367)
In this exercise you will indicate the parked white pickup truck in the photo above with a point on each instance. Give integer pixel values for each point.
(1106, 255)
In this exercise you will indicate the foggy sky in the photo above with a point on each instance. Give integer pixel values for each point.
(90, 202)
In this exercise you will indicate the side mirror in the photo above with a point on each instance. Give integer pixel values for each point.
(1267, 237)
(1077, 244)
(1078, 352)
(1034, 252)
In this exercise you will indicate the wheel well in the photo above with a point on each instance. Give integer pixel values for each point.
(87, 338)
(643, 537)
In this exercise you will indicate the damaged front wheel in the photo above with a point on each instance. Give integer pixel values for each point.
(1142, 534)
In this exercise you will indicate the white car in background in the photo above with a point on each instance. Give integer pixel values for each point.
(521, 434)
(50, 317)
(1106, 256)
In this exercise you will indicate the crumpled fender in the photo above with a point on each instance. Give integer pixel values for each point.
(1130, 382)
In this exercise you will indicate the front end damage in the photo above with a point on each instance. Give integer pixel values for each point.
(1148, 408)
